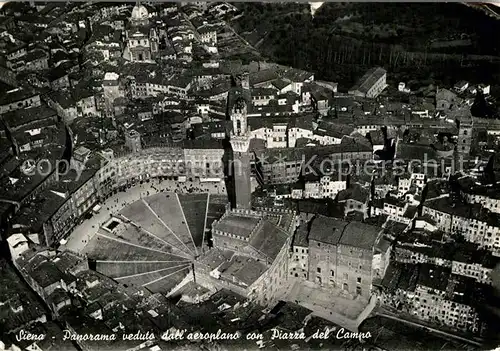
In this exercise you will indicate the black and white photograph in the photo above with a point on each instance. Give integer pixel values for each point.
(249, 176)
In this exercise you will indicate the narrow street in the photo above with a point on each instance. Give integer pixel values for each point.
(430, 329)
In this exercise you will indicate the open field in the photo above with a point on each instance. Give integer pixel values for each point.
(104, 248)
(139, 214)
(155, 249)
(150, 222)
(168, 282)
(195, 207)
(166, 206)
(124, 269)
(151, 277)
(140, 237)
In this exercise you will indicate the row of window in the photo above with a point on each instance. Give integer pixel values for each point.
(345, 286)
(139, 42)
(262, 97)
(345, 275)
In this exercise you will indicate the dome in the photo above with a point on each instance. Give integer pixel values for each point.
(139, 12)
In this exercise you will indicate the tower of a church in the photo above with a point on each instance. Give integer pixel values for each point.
(465, 130)
(240, 144)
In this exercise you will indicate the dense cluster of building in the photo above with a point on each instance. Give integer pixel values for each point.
(110, 96)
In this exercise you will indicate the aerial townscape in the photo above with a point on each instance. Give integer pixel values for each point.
(219, 176)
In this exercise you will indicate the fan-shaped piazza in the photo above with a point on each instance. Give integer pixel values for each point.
(153, 242)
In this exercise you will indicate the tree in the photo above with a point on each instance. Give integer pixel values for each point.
(480, 107)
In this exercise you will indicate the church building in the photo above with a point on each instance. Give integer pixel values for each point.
(140, 36)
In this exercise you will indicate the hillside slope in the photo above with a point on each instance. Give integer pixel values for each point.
(343, 39)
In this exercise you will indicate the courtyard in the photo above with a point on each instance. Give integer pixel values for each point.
(335, 307)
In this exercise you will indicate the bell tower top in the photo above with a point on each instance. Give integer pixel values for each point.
(239, 118)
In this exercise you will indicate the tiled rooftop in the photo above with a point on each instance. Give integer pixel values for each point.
(14, 294)
(369, 79)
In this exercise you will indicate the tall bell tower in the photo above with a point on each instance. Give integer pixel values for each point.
(240, 144)
(465, 129)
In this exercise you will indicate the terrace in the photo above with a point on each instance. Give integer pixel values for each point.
(237, 225)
